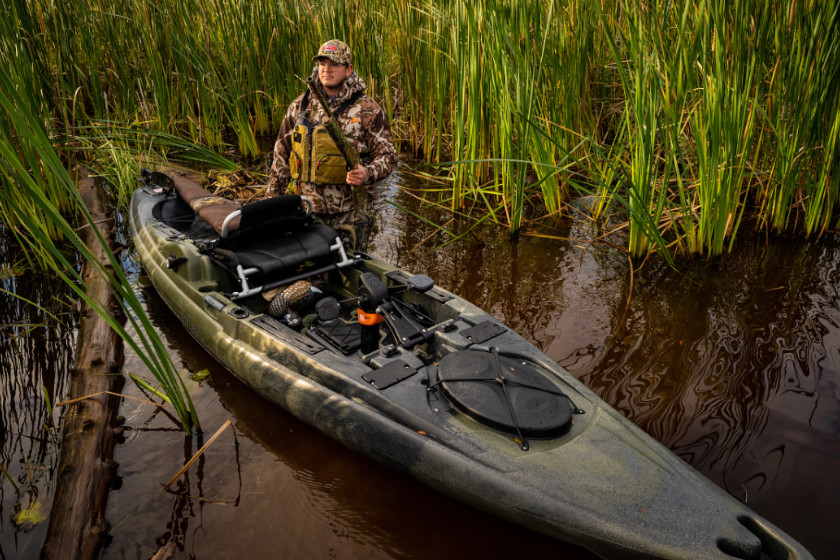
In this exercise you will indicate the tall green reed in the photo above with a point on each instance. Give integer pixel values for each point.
(28, 159)
(461, 80)
(824, 190)
(800, 110)
(640, 78)
(425, 78)
(564, 96)
(468, 119)
(723, 123)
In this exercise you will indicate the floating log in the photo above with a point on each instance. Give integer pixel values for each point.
(86, 464)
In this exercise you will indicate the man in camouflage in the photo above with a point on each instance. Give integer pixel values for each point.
(366, 127)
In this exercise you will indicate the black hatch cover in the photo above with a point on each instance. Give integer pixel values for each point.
(505, 393)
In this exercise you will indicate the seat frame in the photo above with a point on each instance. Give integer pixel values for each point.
(245, 276)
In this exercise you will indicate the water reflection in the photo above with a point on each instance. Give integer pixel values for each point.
(286, 491)
(36, 351)
(715, 361)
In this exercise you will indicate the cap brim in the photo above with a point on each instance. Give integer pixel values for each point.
(327, 56)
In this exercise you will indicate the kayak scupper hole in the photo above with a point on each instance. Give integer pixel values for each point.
(737, 550)
(773, 547)
(239, 312)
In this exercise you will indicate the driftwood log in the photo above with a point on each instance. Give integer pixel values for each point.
(86, 464)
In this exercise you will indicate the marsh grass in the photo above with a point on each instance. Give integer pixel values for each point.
(28, 160)
(720, 114)
(691, 120)
(743, 119)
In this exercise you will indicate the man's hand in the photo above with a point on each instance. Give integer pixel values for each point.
(357, 176)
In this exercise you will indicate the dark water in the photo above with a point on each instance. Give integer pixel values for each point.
(36, 352)
(733, 365)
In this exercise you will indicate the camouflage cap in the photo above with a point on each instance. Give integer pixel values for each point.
(336, 51)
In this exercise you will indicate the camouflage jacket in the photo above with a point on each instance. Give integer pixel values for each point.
(366, 127)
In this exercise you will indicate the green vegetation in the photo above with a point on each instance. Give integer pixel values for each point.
(30, 516)
(697, 117)
(31, 176)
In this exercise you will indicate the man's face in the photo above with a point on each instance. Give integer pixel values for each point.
(332, 74)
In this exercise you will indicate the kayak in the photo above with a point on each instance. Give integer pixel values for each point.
(419, 379)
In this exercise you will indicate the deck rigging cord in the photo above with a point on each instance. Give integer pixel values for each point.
(499, 379)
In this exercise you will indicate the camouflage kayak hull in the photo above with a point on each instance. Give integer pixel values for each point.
(580, 472)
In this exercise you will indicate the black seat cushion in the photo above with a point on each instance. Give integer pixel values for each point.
(286, 252)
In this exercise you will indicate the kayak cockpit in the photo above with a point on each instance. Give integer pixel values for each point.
(263, 245)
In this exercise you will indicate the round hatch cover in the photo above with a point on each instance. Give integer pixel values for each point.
(488, 386)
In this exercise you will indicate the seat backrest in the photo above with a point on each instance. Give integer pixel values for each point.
(274, 217)
(285, 253)
(238, 223)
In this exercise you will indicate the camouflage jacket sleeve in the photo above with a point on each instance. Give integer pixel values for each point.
(378, 154)
(278, 175)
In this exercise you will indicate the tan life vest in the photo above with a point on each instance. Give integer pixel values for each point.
(315, 158)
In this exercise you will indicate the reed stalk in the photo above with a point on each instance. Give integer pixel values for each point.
(723, 124)
(640, 81)
(727, 111)
(27, 160)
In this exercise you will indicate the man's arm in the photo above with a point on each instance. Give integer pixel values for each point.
(381, 158)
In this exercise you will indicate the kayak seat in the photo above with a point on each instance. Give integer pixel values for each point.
(236, 222)
(284, 256)
(263, 244)
(271, 217)
(274, 255)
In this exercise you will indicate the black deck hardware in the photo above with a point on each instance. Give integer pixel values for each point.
(347, 337)
(173, 262)
(400, 277)
(389, 374)
(508, 393)
(287, 335)
(483, 332)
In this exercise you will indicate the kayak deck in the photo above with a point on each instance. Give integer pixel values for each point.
(423, 381)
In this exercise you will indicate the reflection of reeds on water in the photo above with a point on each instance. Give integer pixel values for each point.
(37, 346)
(708, 367)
